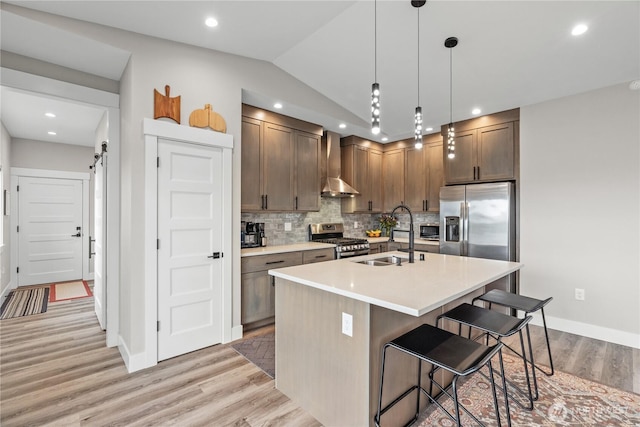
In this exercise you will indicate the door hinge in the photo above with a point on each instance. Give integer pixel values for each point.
(157, 243)
(158, 161)
(17, 269)
(18, 188)
(158, 326)
(17, 229)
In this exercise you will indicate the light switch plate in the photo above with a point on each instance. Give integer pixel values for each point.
(347, 324)
(287, 226)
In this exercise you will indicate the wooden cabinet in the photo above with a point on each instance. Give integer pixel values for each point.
(318, 255)
(280, 164)
(376, 248)
(257, 295)
(393, 178)
(418, 247)
(362, 169)
(485, 150)
(424, 177)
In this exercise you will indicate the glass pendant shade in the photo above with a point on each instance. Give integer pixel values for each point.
(418, 128)
(451, 143)
(375, 108)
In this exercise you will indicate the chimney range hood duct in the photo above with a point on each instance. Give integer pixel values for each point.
(334, 186)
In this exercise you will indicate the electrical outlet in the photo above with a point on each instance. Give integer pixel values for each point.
(356, 224)
(347, 324)
(287, 226)
(580, 294)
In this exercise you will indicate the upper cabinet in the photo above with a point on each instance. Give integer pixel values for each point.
(280, 162)
(424, 175)
(485, 149)
(362, 169)
(393, 178)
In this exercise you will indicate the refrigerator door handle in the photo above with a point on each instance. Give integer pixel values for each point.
(463, 229)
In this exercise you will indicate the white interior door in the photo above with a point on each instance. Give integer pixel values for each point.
(99, 244)
(50, 230)
(190, 268)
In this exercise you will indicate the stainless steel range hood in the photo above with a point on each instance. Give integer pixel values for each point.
(334, 186)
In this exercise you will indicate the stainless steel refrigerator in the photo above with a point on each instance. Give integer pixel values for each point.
(478, 220)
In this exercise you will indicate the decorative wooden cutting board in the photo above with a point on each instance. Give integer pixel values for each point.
(165, 106)
(206, 117)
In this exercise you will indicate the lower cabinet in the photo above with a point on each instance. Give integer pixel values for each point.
(376, 248)
(418, 247)
(258, 287)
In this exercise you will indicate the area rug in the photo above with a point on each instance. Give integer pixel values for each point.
(25, 302)
(565, 400)
(69, 290)
(259, 350)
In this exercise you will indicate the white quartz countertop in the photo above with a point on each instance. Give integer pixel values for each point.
(278, 249)
(413, 289)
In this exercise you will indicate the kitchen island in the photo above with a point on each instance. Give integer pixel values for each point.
(335, 376)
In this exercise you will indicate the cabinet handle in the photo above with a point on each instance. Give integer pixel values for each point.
(274, 262)
(296, 202)
(262, 201)
(266, 201)
(478, 172)
(320, 256)
(426, 205)
(474, 173)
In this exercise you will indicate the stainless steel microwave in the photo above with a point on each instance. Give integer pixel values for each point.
(430, 231)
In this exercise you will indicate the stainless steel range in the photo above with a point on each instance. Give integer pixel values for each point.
(334, 233)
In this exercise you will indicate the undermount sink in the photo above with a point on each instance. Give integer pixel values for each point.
(381, 262)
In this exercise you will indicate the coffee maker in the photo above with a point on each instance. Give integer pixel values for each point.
(252, 234)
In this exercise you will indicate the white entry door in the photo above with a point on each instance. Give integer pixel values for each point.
(99, 244)
(50, 230)
(190, 268)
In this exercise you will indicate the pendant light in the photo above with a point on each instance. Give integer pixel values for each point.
(450, 43)
(375, 87)
(418, 115)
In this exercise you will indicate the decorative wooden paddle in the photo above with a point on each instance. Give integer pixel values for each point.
(206, 117)
(165, 106)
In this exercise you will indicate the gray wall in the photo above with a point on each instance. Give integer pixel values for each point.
(27, 153)
(580, 199)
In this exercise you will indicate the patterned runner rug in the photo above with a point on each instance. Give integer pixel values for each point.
(25, 302)
(69, 290)
(259, 350)
(565, 400)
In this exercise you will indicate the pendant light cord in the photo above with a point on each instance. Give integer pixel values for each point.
(450, 86)
(418, 56)
(375, 40)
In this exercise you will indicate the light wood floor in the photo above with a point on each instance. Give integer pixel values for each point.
(55, 370)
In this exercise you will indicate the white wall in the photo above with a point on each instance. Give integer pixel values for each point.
(580, 211)
(5, 245)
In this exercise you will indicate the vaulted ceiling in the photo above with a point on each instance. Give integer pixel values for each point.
(511, 53)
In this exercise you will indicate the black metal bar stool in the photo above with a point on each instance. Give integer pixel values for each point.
(498, 326)
(442, 349)
(526, 304)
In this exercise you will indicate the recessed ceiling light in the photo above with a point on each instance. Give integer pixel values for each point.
(342, 126)
(579, 29)
(429, 129)
(385, 139)
(476, 111)
(49, 114)
(51, 132)
(211, 22)
(277, 105)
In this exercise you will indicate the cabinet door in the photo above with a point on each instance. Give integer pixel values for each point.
(393, 179)
(495, 152)
(460, 169)
(307, 193)
(251, 199)
(257, 297)
(278, 167)
(361, 178)
(374, 248)
(375, 179)
(415, 187)
(435, 176)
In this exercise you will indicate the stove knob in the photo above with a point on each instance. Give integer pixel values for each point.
(338, 249)
(348, 248)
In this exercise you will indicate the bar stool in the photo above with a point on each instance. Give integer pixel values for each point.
(442, 349)
(526, 304)
(498, 326)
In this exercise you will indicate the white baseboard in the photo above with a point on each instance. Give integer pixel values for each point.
(133, 362)
(89, 277)
(236, 332)
(591, 331)
(6, 291)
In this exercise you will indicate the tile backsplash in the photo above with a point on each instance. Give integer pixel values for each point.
(330, 211)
